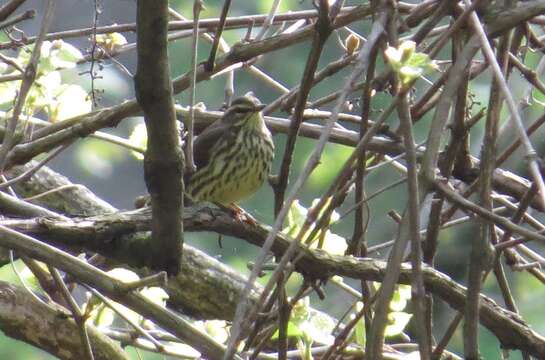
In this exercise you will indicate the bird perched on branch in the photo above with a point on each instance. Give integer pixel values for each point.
(233, 156)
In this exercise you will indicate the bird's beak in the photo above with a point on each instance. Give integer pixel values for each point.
(260, 107)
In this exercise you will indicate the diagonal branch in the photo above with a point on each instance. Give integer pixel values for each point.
(49, 326)
(323, 30)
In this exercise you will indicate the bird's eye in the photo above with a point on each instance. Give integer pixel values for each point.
(241, 110)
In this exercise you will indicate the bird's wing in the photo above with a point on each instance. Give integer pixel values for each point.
(204, 143)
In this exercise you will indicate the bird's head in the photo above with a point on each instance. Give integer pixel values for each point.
(244, 111)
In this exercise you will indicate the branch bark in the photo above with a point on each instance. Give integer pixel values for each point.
(49, 327)
(163, 161)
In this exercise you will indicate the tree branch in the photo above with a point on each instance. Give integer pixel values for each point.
(163, 161)
(49, 327)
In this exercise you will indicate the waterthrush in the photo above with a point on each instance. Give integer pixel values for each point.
(233, 156)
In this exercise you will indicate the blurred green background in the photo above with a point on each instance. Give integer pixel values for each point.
(115, 175)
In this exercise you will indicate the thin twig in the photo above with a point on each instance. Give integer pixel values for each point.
(413, 212)
(208, 24)
(76, 311)
(269, 20)
(96, 12)
(210, 63)
(29, 173)
(190, 166)
(27, 15)
(8, 8)
(323, 30)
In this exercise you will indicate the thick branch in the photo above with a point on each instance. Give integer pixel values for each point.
(163, 162)
(49, 327)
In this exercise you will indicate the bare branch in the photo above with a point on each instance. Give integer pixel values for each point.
(163, 161)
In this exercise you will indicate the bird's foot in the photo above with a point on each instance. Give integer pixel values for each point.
(241, 215)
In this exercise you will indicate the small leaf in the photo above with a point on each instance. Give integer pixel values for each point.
(63, 55)
(410, 73)
(301, 310)
(394, 57)
(407, 63)
(295, 219)
(400, 298)
(111, 42)
(103, 316)
(293, 331)
(397, 323)
(319, 328)
(334, 244)
(360, 336)
(218, 329)
(407, 49)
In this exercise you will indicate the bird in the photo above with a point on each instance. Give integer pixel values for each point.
(233, 156)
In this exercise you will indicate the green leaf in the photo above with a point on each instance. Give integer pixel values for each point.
(301, 310)
(305, 349)
(400, 298)
(408, 64)
(42, 93)
(397, 323)
(295, 219)
(62, 55)
(125, 276)
(293, 332)
(217, 329)
(102, 316)
(319, 328)
(27, 276)
(419, 59)
(360, 336)
(111, 41)
(309, 325)
(332, 243)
